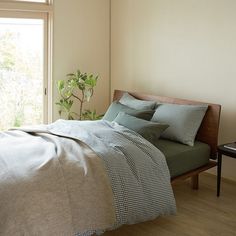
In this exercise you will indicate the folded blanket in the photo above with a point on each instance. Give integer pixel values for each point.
(74, 177)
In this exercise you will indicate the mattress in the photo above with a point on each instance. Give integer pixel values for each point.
(182, 158)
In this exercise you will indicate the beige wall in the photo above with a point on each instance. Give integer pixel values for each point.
(179, 48)
(81, 40)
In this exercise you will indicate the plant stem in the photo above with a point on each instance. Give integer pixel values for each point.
(81, 105)
(76, 97)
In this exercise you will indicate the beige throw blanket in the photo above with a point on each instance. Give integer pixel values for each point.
(50, 186)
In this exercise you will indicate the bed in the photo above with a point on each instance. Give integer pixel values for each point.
(85, 177)
(204, 153)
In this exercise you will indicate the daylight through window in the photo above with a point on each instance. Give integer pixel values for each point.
(23, 69)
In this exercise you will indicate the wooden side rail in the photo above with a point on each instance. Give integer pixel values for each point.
(194, 174)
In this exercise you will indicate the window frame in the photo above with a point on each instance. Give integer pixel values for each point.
(48, 2)
(44, 11)
(27, 1)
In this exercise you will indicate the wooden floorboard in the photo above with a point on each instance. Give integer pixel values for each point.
(200, 212)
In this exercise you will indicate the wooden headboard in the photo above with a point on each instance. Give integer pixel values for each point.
(208, 131)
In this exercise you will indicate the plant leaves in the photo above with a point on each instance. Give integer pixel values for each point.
(68, 88)
(91, 115)
(60, 85)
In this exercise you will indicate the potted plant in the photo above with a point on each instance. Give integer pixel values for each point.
(78, 86)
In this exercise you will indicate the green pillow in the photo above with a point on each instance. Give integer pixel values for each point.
(116, 107)
(183, 120)
(137, 104)
(151, 131)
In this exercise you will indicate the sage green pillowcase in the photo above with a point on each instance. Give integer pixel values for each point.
(137, 104)
(183, 120)
(117, 107)
(151, 131)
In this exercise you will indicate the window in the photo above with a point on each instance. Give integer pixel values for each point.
(25, 59)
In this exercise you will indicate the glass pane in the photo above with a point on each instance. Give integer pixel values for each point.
(21, 72)
(32, 0)
(44, 1)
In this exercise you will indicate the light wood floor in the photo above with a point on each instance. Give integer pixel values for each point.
(200, 213)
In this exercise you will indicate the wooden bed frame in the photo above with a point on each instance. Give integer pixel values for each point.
(207, 133)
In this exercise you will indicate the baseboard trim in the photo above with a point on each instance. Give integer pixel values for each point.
(223, 179)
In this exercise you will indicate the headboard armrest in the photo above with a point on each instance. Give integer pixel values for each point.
(208, 131)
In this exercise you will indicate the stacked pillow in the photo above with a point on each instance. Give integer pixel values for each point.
(132, 106)
(117, 107)
(151, 131)
(170, 121)
(135, 115)
(183, 120)
(137, 104)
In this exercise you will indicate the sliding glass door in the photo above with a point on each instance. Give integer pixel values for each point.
(23, 69)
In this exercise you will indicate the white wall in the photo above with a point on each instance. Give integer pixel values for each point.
(179, 48)
(81, 41)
